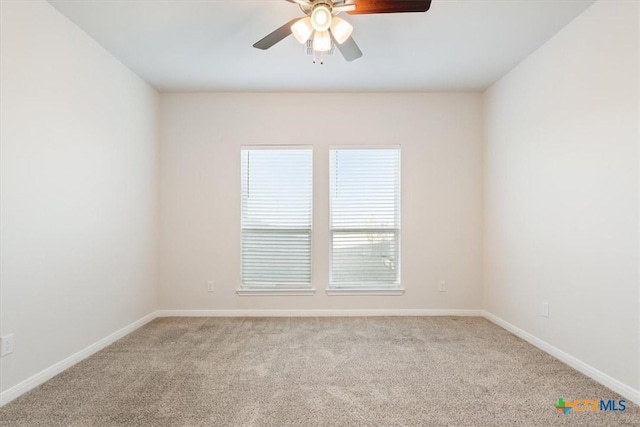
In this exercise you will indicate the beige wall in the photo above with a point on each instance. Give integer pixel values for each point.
(561, 191)
(79, 191)
(201, 135)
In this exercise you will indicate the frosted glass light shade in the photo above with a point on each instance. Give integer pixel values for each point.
(321, 18)
(322, 41)
(341, 29)
(302, 30)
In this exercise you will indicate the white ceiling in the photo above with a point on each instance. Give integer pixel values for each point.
(206, 45)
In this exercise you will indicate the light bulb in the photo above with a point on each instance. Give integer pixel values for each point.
(341, 29)
(302, 30)
(322, 41)
(321, 18)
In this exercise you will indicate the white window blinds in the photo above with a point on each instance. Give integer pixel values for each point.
(276, 217)
(365, 218)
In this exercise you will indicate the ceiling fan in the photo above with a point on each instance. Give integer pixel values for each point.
(326, 29)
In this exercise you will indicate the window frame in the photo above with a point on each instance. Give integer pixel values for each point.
(268, 288)
(366, 288)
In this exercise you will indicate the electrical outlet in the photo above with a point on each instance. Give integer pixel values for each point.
(210, 286)
(442, 286)
(545, 309)
(6, 346)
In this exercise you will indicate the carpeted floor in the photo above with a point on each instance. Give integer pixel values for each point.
(315, 371)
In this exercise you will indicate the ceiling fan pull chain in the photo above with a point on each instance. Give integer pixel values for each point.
(321, 57)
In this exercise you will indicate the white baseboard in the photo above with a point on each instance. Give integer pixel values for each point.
(316, 313)
(593, 373)
(50, 372)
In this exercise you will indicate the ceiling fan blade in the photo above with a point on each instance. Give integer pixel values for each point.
(301, 2)
(276, 36)
(390, 6)
(348, 49)
(344, 8)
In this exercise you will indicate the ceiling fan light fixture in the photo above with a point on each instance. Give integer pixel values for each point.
(321, 18)
(302, 30)
(341, 29)
(322, 41)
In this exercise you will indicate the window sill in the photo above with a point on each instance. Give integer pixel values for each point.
(276, 292)
(365, 291)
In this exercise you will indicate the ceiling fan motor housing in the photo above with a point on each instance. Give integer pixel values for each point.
(308, 9)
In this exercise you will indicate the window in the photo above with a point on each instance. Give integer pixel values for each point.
(276, 218)
(365, 219)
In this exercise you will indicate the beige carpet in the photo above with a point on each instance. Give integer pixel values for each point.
(315, 371)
